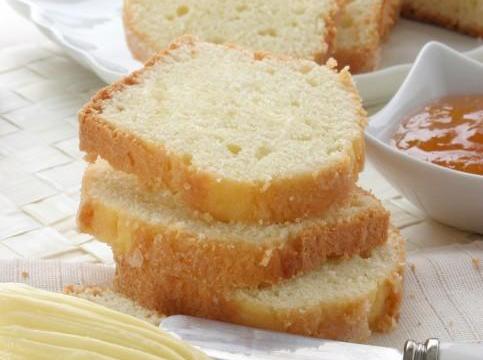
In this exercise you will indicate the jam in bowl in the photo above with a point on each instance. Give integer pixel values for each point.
(446, 132)
(427, 141)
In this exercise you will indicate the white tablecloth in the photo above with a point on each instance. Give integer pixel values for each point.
(443, 291)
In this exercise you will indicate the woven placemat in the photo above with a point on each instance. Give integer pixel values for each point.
(41, 91)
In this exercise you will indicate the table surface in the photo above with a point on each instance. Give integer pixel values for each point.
(41, 90)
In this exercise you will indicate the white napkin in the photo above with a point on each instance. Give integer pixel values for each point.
(443, 291)
(443, 296)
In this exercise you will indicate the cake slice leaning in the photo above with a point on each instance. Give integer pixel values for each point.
(242, 136)
(155, 230)
(361, 29)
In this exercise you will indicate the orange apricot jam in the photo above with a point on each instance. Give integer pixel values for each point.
(446, 132)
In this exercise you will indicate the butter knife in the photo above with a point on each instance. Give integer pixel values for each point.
(223, 341)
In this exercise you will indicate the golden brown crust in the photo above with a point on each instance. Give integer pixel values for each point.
(329, 39)
(225, 263)
(351, 320)
(390, 294)
(411, 12)
(285, 199)
(366, 58)
(359, 59)
(388, 18)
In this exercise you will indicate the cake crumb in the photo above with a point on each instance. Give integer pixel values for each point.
(135, 259)
(331, 63)
(69, 289)
(476, 263)
(266, 257)
(96, 291)
(79, 289)
(90, 157)
(412, 267)
(266, 186)
(25, 275)
(206, 217)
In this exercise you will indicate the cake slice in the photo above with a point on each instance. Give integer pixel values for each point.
(341, 299)
(361, 29)
(242, 136)
(154, 230)
(303, 28)
(465, 16)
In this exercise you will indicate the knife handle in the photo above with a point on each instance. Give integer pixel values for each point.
(432, 349)
(461, 351)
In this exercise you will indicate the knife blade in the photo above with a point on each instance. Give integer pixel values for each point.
(223, 341)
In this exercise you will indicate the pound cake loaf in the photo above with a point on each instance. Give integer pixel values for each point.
(361, 29)
(303, 28)
(462, 15)
(342, 299)
(155, 230)
(242, 136)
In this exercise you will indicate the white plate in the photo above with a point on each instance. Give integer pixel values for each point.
(91, 33)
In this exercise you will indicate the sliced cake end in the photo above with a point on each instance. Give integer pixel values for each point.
(361, 29)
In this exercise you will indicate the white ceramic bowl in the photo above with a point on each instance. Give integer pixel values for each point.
(451, 197)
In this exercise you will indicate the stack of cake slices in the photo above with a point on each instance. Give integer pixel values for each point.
(224, 181)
